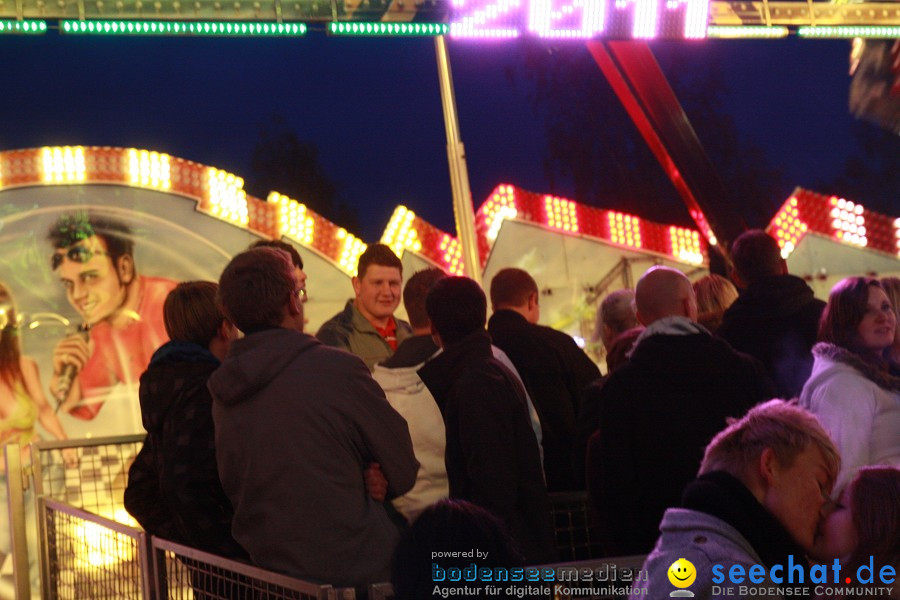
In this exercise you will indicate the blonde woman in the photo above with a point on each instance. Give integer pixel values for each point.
(714, 295)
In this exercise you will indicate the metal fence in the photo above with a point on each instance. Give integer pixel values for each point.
(88, 556)
(91, 548)
(184, 573)
(575, 538)
(90, 474)
(93, 479)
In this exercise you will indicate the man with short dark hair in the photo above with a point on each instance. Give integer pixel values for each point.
(776, 317)
(94, 259)
(296, 260)
(753, 511)
(367, 326)
(554, 369)
(658, 411)
(296, 425)
(492, 456)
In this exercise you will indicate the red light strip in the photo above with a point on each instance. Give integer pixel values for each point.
(629, 231)
(106, 165)
(840, 219)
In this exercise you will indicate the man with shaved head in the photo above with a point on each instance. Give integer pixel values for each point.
(658, 412)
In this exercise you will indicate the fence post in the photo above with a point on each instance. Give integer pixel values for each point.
(154, 566)
(15, 488)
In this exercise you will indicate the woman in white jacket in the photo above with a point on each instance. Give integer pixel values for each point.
(854, 388)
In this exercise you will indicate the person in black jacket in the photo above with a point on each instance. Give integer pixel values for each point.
(173, 485)
(659, 411)
(776, 317)
(491, 455)
(553, 368)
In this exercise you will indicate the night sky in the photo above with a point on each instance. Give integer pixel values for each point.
(372, 106)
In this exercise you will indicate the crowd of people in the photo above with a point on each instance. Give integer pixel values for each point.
(751, 428)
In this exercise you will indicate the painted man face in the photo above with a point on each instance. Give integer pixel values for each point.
(93, 283)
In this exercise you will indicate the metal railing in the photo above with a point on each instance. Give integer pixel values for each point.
(94, 480)
(97, 482)
(381, 591)
(184, 573)
(575, 538)
(90, 547)
(89, 556)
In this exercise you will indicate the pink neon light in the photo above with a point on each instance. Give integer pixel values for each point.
(645, 15)
(542, 18)
(486, 21)
(578, 19)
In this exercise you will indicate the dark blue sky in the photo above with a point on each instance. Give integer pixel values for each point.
(372, 106)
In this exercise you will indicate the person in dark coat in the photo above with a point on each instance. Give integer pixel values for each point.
(617, 328)
(776, 317)
(659, 411)
(552, 366)
(173, 485)
(491, 455)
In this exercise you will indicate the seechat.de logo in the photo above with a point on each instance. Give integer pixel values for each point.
(682, 574)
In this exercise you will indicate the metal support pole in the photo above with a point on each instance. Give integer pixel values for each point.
(463, 212)
(15, 481)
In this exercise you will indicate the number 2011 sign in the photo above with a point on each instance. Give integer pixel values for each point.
(580, 19)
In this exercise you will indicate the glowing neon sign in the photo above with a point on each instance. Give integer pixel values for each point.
(580, 19)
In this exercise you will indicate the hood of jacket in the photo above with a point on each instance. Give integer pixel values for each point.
(402, 380)
(776, 297)
(176, 370)
(830, 357)
(254, 361)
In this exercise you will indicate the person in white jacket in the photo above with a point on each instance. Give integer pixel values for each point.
(854, 388)
(409, 396)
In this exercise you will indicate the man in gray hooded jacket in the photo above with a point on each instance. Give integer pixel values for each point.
(297, 423)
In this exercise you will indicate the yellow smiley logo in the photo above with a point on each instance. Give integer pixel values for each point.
(682, 573)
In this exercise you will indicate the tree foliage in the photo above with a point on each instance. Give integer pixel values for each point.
(592, 142)
(872, 175)
(284, 163)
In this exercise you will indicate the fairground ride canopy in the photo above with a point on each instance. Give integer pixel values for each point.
(185, 220)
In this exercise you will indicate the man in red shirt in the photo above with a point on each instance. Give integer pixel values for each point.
(121, 312)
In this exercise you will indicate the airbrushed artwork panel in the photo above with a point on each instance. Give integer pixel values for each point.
(84, 272)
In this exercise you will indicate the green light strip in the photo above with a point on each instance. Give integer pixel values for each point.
(187, 28)
(28, 26)
(862, 31)
(746, 31)
(395, 29)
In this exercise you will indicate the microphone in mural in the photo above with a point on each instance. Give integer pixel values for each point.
(69, 371)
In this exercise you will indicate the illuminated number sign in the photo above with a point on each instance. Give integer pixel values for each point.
(580, 19)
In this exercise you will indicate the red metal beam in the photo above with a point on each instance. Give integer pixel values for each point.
(644, 91)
